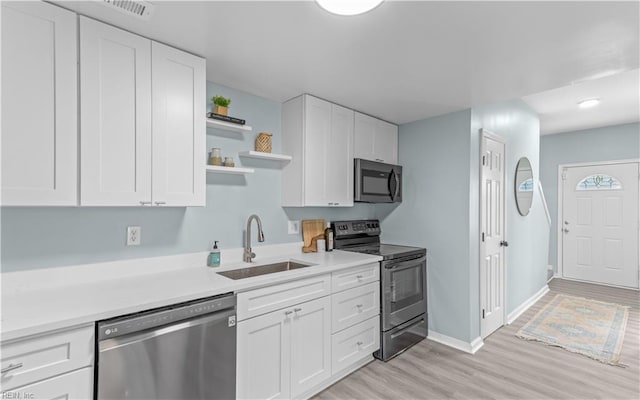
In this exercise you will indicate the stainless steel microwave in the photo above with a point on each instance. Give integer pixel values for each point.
(377, 182)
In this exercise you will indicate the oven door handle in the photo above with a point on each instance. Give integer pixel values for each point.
(406, 264)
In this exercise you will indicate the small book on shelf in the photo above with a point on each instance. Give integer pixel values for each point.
(226, 118)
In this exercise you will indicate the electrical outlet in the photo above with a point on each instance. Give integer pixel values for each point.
(294, 227)
(133, 235)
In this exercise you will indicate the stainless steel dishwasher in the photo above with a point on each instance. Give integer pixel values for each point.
(184, 351)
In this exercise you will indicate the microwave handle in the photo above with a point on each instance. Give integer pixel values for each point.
(395, 176)
(393, 189)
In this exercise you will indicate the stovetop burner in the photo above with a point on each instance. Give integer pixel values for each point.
(363, 236)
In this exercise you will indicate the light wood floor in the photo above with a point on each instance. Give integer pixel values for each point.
(505, 367)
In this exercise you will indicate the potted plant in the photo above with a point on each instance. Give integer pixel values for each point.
(221, 104)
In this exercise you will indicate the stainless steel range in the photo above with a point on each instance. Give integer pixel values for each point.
(403, 281)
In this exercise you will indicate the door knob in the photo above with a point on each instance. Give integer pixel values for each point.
(566, 222)
(565, 230)
(504, 243)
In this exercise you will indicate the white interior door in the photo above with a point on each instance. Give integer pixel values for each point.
(492, 223)
(599, 227)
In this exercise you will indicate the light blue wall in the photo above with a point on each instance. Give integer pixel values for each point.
(619, 142)
(528, 236)
(41, 237)
(440, 211)
(434, 213)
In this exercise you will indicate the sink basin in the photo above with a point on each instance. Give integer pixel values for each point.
(258, 270)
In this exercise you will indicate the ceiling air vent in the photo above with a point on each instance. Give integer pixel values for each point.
(137, 8)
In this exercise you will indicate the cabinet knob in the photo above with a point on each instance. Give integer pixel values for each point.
(359, 277)
(145, 203)
(359, 343)
(297, 309)
(288, 312)
(159, 203)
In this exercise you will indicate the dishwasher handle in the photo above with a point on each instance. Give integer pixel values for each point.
(147, 320)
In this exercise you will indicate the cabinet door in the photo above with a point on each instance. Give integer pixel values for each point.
(364, 136)
(115, 120)
(263, 357)
(339, 158)
(386, 142)
(310, 345)
(74, 385)
(317, 133)
(179, 148)
(39, 105)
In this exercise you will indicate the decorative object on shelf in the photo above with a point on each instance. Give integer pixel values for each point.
(226, 118)
(263, 142)
(221, 104)
(228, 162)
(214, 156)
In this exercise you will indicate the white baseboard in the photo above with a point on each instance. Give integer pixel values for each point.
(526, 304)
(458, 344)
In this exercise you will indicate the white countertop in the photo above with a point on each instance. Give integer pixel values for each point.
(38, 301)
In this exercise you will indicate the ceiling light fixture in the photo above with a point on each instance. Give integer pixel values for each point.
(348, 7)
(588, 103)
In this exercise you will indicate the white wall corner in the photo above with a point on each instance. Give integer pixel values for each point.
(526, 304)
(467, 347)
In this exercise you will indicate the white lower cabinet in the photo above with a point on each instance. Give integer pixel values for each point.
(74, 385)
(284, 353)
(355, 343)
(55, 365)
(299, 337)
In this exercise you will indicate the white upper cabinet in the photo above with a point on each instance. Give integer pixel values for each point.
(319, 136)
(142, 121)
(39, 105)
(115, 122)
(375, 140)
(179, 126)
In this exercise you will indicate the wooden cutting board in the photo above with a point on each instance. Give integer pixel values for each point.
(312, 229)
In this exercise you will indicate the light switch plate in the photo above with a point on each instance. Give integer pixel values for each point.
(133, 235)
(293, 228)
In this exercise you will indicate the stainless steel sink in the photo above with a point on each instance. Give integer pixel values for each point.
(258, 270)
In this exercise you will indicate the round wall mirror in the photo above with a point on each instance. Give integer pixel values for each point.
(524, 186)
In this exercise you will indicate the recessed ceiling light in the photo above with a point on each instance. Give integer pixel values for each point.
(588, 103)
(349, 7)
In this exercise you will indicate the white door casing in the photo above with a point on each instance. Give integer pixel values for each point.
(598, 225)
(492, 228)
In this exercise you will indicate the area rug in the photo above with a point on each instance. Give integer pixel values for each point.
(589, 327)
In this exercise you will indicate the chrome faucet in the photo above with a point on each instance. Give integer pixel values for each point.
(248, 254)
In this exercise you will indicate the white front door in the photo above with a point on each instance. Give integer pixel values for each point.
(599, 227)
(492, 223)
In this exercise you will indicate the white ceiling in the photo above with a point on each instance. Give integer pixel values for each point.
(559, 111)
(403, 61)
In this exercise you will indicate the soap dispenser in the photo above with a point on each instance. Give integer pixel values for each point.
(214, 256)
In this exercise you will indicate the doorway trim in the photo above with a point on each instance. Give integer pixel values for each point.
(559, 236)
(488, 134)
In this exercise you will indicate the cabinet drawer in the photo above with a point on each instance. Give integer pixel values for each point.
(355, 343)
(354, 305)
(41, 357)
(74, 385)
(271, 298)
(353, 277)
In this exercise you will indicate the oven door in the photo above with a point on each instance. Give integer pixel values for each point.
(377, 182)
(404, 288)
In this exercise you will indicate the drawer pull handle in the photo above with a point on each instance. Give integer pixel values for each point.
(359, 307)
(144, 203)
(297, 309)
(359, 343)
(160, 203)
(11, 367)
(288, 312)
(359, 277)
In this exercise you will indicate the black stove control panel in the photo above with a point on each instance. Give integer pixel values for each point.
(358, 227)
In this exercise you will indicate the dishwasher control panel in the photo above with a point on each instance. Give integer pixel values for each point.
(155, 318)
